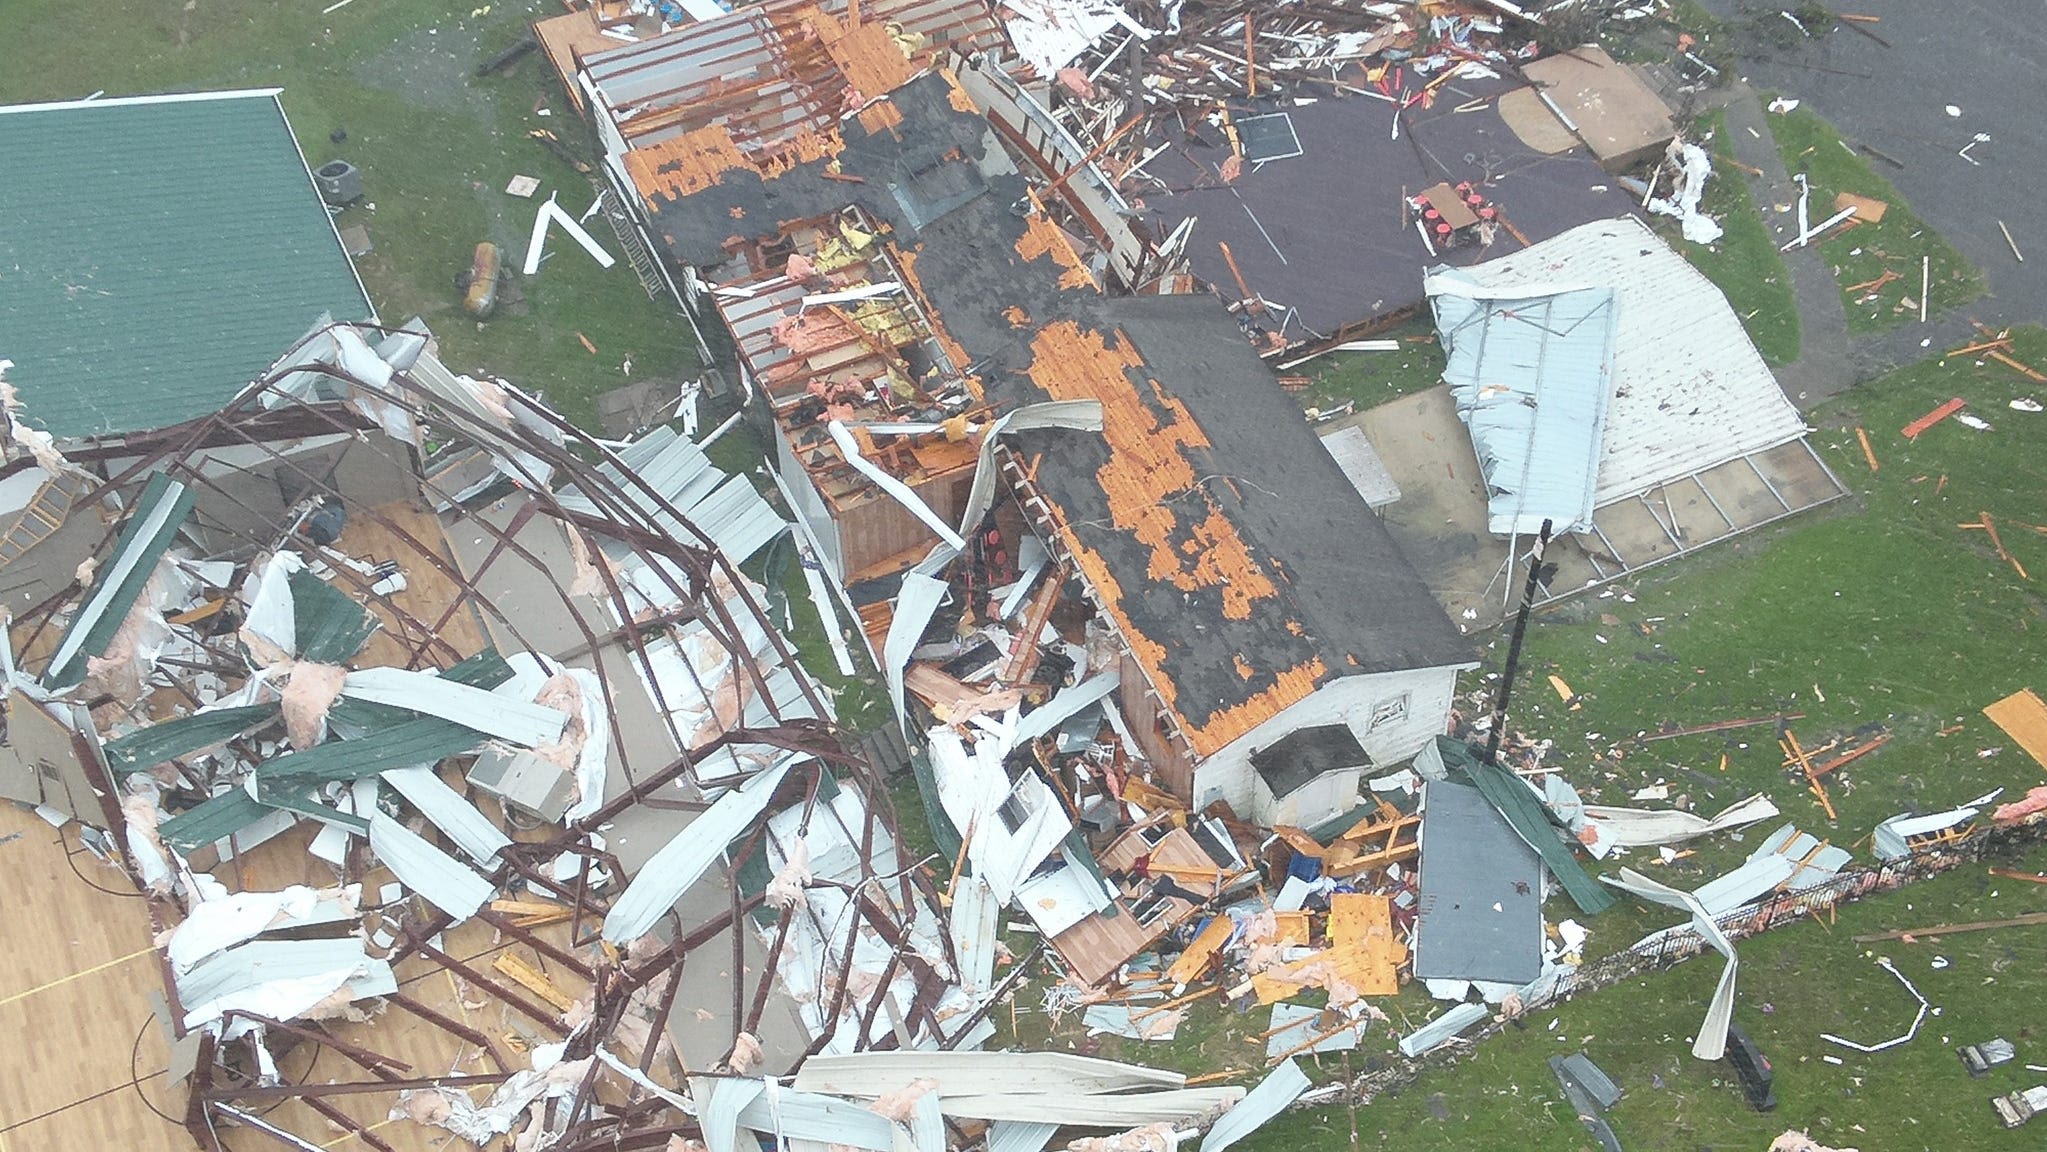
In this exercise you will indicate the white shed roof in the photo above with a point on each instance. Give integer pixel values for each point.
(1691, 391)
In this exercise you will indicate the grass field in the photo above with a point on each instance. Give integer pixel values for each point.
(1864, 253)
(1745, 264)
(1884, 612)
(1371, 378)
(436, 146)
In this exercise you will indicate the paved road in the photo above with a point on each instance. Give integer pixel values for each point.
(1987, 58)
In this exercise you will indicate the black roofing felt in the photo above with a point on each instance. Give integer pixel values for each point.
(1305, 753)
(1339, 572)
(1481, 892)
(1334, 211)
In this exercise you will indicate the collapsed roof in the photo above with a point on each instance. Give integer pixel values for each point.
(1239, 564)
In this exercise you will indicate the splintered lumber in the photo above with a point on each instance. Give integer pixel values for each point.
(1989, 527)
(1868, 453)
(530, 978)
(1723, 726)
(2019, 921)
(1792, 749)
(2025, 370)
(1939, 414)
(2028, 877)
(1193, 963)
(1849, 757)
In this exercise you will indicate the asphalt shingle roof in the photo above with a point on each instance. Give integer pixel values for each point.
(156, 255)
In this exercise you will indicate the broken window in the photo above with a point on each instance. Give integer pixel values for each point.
(1015, 811)
(1388, 712)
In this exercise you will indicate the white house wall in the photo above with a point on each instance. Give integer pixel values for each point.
(1350, 700)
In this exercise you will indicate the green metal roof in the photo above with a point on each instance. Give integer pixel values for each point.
(156, 255)
(147, 747)
(151, 529)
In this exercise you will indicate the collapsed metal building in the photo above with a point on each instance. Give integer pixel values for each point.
(425, 723)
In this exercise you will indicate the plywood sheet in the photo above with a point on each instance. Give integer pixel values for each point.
(2023, 716)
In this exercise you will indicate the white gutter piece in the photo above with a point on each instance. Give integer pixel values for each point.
(682, 861)
(455, 816)
(446, 882)
(899, 491)
(1280, 1088)
(537, 242)
(554, 211)
(978, 1073)
(514, 721)
(1439, 1031)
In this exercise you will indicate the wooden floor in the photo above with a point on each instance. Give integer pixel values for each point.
(428, 590)
(84, 1059)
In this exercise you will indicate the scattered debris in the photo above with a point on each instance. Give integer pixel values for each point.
(1918, 1017)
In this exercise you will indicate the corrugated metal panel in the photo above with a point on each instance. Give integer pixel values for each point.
(974, 916)
(330, 627)
(213, 821)
(456, 817)
(1691, 391)
(403, 745)
(1295, 1024)
(148, 747)
(514, 721)
(1281, 1087)
(266, 973)
(729, 510)
(809, 1116)
(1531, 376)
(1020, 1135)
(682, 861)
(1441, 1029)
(719, 1100)
(151, 528)
(1354, 454)
(446, 882)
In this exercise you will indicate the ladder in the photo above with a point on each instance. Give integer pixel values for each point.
(628, 234)
(44, 515)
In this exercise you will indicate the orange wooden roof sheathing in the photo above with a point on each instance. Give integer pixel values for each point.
(1043, 238)
(866, 54)
(1151, 485)
(684, 165)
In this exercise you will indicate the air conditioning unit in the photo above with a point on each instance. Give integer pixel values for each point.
(339, 182)
(536, 787)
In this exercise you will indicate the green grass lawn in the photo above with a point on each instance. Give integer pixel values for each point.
(1794, 984)
(1745, 264)
(436, 146)
(1373, 378)
(1882, 612)
(1865, 252)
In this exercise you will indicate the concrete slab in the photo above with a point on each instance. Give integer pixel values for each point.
(1440, 518)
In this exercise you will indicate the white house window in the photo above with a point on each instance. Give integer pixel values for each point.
(1387, 712)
